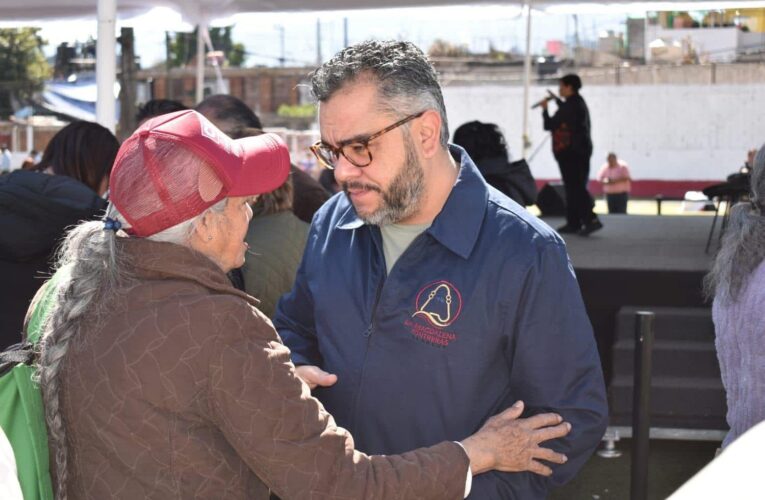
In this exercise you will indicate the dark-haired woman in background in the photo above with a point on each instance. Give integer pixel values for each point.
(487, 147)
(36, 206)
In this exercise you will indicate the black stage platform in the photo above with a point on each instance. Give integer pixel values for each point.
(642, 243)
(638, 260)
(651, 262)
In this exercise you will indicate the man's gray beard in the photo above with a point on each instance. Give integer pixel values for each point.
(403, 197)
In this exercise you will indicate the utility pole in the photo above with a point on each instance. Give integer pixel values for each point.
(345, 32)
(576, 31)
(201, 58)
(318, 42)
(282, 59)
(168, 63)
(525, 140)
(576, 38)
(127, 87)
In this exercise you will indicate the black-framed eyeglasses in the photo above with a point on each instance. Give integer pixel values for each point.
(355, 151)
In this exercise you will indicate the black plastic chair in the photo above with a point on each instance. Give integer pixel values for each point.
(730, 193)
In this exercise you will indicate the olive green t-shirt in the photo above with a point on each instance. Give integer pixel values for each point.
(397, 238)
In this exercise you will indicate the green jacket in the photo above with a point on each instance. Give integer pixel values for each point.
(22, 416)
(276, 248)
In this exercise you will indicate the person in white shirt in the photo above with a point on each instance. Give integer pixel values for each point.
(9, 482)
(5, 159)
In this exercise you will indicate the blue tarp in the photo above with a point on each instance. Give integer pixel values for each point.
(76, 99)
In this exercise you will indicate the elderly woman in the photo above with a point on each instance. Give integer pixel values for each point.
(276, 238)
(737, 283)
(161, 380)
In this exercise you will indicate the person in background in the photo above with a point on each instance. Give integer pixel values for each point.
(747, 167)
(276, 239)
(487, 147)
(228, 114)
(615, 177)
(327, 179)
(426, 302)
(308, 164)
(31, 160)
(572, 148)
(37, 206)
(6, 159)
(161, 380)
(10, 489)
(157, 107)
(736, 284)
(236, 119)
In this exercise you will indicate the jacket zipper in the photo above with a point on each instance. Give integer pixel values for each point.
(370, 328)
(367, 334)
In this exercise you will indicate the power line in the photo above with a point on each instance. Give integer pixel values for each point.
(302, 62)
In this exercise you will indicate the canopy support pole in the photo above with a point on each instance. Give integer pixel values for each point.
(526, 80)
(106, 64)
(220, 88)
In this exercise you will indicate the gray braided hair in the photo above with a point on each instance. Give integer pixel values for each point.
(743, 246)
(92, 266)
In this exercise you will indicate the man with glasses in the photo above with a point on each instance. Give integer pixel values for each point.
(427, 301)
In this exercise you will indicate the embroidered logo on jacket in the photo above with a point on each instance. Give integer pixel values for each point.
(439, 305)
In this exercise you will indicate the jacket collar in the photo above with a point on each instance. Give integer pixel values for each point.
(458, 224)
(158, 260)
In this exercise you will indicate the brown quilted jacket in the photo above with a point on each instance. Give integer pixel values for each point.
(186, 391)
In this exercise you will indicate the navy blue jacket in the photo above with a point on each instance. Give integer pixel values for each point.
(482, 309)
(35, 211)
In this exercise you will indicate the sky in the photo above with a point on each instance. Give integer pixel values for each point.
(478, 27)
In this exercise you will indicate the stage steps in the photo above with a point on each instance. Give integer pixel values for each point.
(686, 388)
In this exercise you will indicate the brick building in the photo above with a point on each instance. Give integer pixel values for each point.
(263, 89)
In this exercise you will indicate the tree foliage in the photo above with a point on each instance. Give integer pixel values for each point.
(23, 67)
(183, 47)
(297, 111)
(444, 48)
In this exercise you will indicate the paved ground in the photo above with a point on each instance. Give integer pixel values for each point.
(671, 463)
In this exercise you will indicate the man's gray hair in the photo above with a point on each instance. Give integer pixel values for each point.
(743, 246)
(406, 80)
(91, 266)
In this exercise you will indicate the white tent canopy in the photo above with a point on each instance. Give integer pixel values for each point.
(201, 12)
(196, 10)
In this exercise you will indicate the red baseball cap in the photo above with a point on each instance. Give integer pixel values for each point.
(177, 165)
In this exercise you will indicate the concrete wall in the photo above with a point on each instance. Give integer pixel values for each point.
(653, 74)
(667, 132)
(696, 74)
